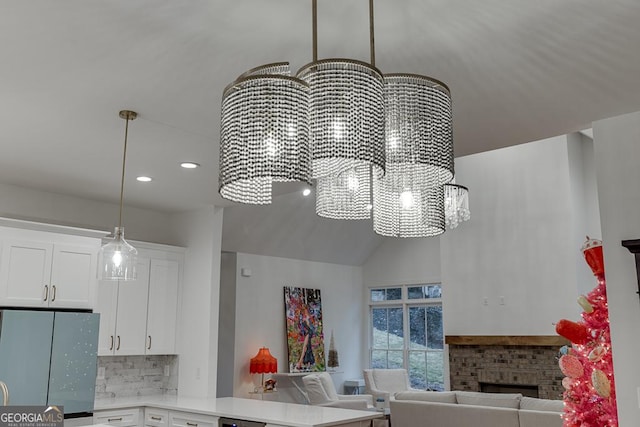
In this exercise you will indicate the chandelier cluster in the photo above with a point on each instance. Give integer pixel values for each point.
(374, 143)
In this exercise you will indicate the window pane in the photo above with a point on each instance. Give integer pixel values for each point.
(435, 338)
(395, 360)
(417, 335)
(394, 294)
(380, 325)
(418, 369)
(396, 331)
(379, 359)
(424, 292)
(377, 294)
(435, 370)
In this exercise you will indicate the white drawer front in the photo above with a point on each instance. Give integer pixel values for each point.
(156, 417)
(119, 418)
(186, 419)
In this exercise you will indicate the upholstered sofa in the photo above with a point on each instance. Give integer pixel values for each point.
(471, 409)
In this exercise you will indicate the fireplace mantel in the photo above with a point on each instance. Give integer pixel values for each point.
(517, 340)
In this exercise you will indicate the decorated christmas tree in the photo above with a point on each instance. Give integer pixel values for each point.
(333, 354)
(589, 396)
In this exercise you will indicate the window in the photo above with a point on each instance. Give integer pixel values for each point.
(406, 332)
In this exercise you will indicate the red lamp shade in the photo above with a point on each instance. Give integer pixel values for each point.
(263, 363)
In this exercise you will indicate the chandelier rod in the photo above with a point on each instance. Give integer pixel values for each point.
(372, 44)
(314, 18)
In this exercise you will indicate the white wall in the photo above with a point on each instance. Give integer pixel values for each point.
(200, 232)
(617, 150)
(403, 262)
(260, 318)
(34, 205)
(519, 244)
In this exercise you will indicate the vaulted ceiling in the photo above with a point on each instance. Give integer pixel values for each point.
(518, 71)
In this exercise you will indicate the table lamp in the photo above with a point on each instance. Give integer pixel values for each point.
(263, 363)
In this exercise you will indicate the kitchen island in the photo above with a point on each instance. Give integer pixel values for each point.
(273, 414)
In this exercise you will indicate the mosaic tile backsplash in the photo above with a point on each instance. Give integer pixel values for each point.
(137, 376)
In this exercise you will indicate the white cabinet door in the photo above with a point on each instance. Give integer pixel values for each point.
(73, 276)
(131, 322)
(25, 273)
(107, 306)
(164, 280)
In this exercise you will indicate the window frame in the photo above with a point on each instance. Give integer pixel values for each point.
(405, 303)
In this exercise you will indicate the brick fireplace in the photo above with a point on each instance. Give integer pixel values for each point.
(510, 364)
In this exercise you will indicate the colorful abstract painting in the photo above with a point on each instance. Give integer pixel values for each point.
(305, 333)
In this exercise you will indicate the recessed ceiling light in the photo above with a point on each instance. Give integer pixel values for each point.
(144, 179)
(189, 165)
(306, 192)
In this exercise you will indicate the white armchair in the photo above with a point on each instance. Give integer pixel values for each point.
(322, 392)
(385, 383)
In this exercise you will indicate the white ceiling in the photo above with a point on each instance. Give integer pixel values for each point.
(518, 71)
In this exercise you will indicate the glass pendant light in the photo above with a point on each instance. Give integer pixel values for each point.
(117, 258)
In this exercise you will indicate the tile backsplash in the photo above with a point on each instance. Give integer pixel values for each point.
(136, 376)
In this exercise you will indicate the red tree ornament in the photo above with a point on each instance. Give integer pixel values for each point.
(574, 332)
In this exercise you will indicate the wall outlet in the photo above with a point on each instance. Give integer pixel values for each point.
(485, 301)
(101, 373)
(167, 370)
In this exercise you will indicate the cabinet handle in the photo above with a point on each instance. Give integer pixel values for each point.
(192, 424)
(53, 298)
(111, 342)
(149, 348)
(156, 418)
(114, 419)
(46, 292)
(118, 347)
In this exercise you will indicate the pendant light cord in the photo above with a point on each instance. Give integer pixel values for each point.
(124, 161)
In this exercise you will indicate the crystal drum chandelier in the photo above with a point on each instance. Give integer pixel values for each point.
(456, 204)
(264, 134)
(372, 142)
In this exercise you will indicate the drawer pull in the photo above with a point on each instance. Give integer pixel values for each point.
(46, 292)
(156, 418)
(118, 347)
(192, 424)
(54, 293)
(114, 419)
(149, 348)
(111, 342)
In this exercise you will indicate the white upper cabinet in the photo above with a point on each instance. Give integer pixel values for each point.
(139, 317)
(123, 313)
(164, 280)
(52, 271)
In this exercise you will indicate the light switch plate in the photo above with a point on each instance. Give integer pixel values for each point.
(101, 373)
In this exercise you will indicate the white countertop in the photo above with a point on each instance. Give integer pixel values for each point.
(286, 414)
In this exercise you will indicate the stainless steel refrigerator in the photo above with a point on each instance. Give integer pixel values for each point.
(50, 358)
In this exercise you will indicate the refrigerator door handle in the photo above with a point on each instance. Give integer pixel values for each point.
(46, 292)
